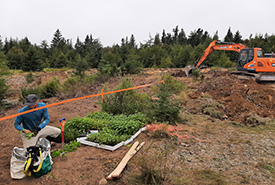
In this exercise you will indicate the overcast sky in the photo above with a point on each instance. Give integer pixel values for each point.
(112, 20)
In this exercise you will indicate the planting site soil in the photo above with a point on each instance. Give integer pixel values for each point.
(226, 134)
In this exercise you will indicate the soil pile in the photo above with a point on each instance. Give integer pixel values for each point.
(240, 97)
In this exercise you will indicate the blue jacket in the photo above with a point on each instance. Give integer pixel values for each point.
(32, 120)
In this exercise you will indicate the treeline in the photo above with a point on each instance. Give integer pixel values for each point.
(175, 49)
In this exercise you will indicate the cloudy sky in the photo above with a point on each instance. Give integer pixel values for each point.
(111, 20)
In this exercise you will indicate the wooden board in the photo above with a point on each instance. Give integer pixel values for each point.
(125, 160)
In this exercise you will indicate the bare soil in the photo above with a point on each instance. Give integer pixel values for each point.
(236, 153)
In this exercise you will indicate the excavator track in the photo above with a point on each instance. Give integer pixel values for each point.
(259, 77)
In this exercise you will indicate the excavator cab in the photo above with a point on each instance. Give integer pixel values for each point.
(245, 56)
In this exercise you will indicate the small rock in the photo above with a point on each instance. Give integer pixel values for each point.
(103, 181)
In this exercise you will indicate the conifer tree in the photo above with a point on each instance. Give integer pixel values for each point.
(182, 40)
(237, 37)
(157, 40)
(58, 40)
(229, 36)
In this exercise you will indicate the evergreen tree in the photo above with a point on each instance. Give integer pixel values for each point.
(205, 36)
(58, 40)
(58, 59)
(8, 45)
(132, 64)
(169, 39)
(132, 42)
(81, 66)
(32, 60)
(45, 48)
(216, 36)
(182, 40)
(15, 57)
(237, 37)
(92, 59)
(195, 37)
(109, 63)
(166, 62)
(157, 40)
(61, 61)
(176, 34)
(1, 43)
(163, 38)
(229, 36)
(4, 69)
(79, 47)
(25, 44)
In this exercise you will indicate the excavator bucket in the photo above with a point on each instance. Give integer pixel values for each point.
(188, 70)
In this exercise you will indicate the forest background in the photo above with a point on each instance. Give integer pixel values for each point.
(168, 50)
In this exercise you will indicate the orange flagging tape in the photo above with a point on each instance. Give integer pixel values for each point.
(80, 98)
(172, 130)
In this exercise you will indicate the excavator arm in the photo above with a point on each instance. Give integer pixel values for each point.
(217, 45)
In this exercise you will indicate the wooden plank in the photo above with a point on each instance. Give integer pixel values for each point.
(125, 160)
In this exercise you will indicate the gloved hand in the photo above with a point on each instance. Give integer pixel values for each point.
(36, 130)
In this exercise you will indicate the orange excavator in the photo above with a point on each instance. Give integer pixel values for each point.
(251, 61)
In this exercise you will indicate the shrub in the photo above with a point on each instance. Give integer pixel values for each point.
(164, 108)
(77, 85)
(195, 74)
(44, 91)
(3, 90)
(50, 89)
(126, 102)
(172, 84)
(25, 92)
(29, 78)
(108, 69)
(81, 65)
(132, 65)
(212, 108)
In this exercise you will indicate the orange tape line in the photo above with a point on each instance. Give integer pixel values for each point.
(80, 98)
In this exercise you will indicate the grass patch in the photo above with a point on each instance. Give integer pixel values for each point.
(47, 70)
(29, 78)
(267, 128)
(212, 107)
(155, 165)
(192, 119)
(254, 120)
(267, 167)
(209, 177)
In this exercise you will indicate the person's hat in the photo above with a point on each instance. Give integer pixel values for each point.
(31, 100)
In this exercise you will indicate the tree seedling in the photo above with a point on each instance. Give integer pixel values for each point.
(28, 135)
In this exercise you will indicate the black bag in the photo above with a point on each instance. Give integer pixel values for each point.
(38, 162)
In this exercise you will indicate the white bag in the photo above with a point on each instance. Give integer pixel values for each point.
(17, 163)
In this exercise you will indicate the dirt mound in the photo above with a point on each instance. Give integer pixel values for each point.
(240, 97)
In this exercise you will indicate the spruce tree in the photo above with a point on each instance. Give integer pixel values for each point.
(237, 37)
(182, 40)
(58, 40)
(157, 40)
(32, 60)
(216, 36)
(229, 36)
